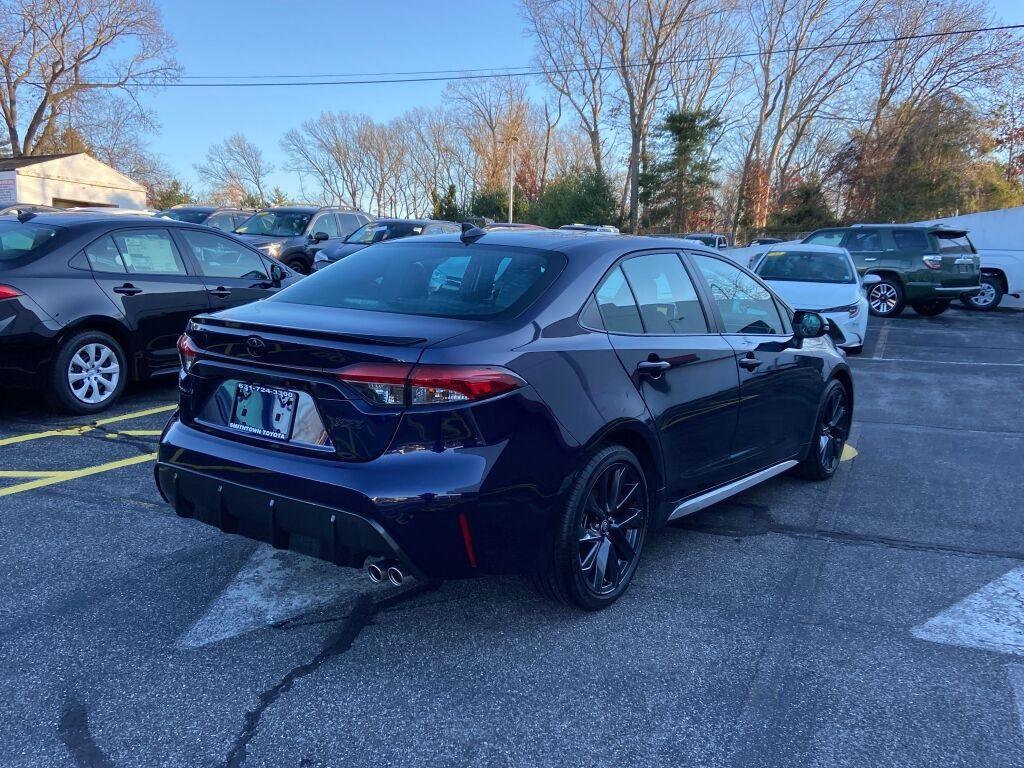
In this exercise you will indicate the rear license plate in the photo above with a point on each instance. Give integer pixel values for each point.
(964, 268)
(263, 411)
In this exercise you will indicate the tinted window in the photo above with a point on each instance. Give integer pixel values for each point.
(832, 237)
(326, 223)
(954, 244)
(224, 221)
(276, 223)
(437, 279)
(219, 257)
(149, 252)
(103, 255)
(806, 267)
(864, 240)
(617, 306)
(18, 240)
(745, 304)
(666, 297)
(377, 231)
(191, 216)
(350, 222)
(910, 240)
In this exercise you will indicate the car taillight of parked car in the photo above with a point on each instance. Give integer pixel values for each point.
(932, 260)
(402, 384)
(7, 292)
(187, 351)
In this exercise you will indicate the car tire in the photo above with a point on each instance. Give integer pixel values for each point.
(989, 298)
(831, 429)
(89, 373)
(297, 264)
(886, 298)
(599, 525)
(931, 308)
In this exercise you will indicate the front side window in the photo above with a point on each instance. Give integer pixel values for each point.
(806, 267)
(746, 306)
(617, 306)
(327, 224)
(378, 231)
(103, 255)
(149, 252)
(667, 300)
(219, 257)
(276, 223)
(433, 279)
(831, 237)
(224, 221)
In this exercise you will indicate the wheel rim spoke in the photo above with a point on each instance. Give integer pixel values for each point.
(623, 547)
(93, 373)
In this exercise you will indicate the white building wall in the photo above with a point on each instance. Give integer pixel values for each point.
(78, 178)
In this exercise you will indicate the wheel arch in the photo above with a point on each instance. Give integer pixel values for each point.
(111, 327)
(637, 438)
(888, 272)
(844, 377)
(999, 275)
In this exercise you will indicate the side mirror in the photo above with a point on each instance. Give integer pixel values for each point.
(809, 325)
(319, 237)
(869, 280)
(276, 274)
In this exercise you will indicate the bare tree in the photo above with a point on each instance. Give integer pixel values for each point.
(236, 168)
(53, 52)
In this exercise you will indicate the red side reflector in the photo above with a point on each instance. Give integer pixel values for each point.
(7, 292)
(467, 540)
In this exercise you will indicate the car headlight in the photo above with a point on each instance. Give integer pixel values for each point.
(273, 250)
(851, 309)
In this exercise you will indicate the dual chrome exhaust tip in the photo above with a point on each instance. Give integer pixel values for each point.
(380, 571)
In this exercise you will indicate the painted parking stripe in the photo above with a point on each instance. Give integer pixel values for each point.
(991, 619)
(74, 474)
(81, 430)
(272, 586)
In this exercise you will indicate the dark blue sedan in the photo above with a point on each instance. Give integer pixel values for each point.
(532, 402)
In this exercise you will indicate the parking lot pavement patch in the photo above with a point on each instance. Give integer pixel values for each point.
(1016, 674)
(990, 619)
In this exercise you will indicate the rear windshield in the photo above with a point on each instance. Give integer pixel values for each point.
(806, 267)
(954, 242)
(433, 279)
(23, 242)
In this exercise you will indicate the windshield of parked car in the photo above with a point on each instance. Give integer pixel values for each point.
(434, 279)
(376, 231)
(190, 216)
(23, 242)
(711, 240)
(806, 267)
(275, 223)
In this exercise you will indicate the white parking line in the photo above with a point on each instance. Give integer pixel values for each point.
(883, 337)
(272, 586)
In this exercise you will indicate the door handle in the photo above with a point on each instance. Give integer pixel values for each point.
(127, 290)
(749, 362)
(653, 368)
(220, 292)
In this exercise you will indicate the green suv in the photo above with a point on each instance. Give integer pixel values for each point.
(925, 266)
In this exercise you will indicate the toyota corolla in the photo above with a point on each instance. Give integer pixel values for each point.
(522, 402)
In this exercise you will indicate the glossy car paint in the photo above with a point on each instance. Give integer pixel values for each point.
(457, 490)
(61, 295)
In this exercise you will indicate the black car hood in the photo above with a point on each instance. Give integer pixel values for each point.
(344, 249)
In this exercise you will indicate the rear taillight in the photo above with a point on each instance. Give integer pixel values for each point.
(932, 260)
(187, 351)
(7, 292)
(403, 385)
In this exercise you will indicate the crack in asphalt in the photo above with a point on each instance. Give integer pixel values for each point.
(363, 612)
(73, 729)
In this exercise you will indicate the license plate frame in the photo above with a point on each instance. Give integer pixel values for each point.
(263, 411)
(964, 269)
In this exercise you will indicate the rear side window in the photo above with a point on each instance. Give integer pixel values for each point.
(617, 306)
(433, 279)
(910, 240)
(103, 256)
(865, 240)
(667, 300)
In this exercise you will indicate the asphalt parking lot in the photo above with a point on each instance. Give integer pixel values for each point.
(874, 620)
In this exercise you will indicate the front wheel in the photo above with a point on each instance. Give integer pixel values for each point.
(601, 533)
(298, 265)
(931, 308)
(830, 432)
(988, 297)
(885, 298)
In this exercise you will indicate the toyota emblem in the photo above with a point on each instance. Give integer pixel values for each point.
(256, 346)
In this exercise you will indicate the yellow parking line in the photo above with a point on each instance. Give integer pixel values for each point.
(22, 473)
(849, 452)
(135, 433)
(81, 430)
(74, 474)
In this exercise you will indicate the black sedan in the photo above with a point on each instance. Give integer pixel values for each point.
(89, 302)
(500, 403)
(378, 231)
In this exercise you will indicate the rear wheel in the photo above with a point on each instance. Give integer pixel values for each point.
(89, 373)
(601, 533)
(885, 298)
(931, 308)
(988, 297)
(830, 433)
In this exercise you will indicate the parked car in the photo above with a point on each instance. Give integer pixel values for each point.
(511, 226)
(293, 234)
(378, 231)
(498, 402)
(925, 266)
(607, 229)
(89, 302)
(1002, 273)
(821, 279)
(225, 219)
(765, 241)
(710, 239)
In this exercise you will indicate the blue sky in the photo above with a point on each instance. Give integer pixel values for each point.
(319, 37)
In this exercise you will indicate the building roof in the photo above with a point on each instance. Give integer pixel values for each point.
(11, 163)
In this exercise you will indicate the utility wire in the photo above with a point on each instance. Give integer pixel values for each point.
(430, 76)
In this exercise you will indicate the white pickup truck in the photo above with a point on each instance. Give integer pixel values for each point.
(1002, 274)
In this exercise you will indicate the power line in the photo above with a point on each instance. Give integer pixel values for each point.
(430, 76)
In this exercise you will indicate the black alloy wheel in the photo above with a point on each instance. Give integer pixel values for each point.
(833, 428)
